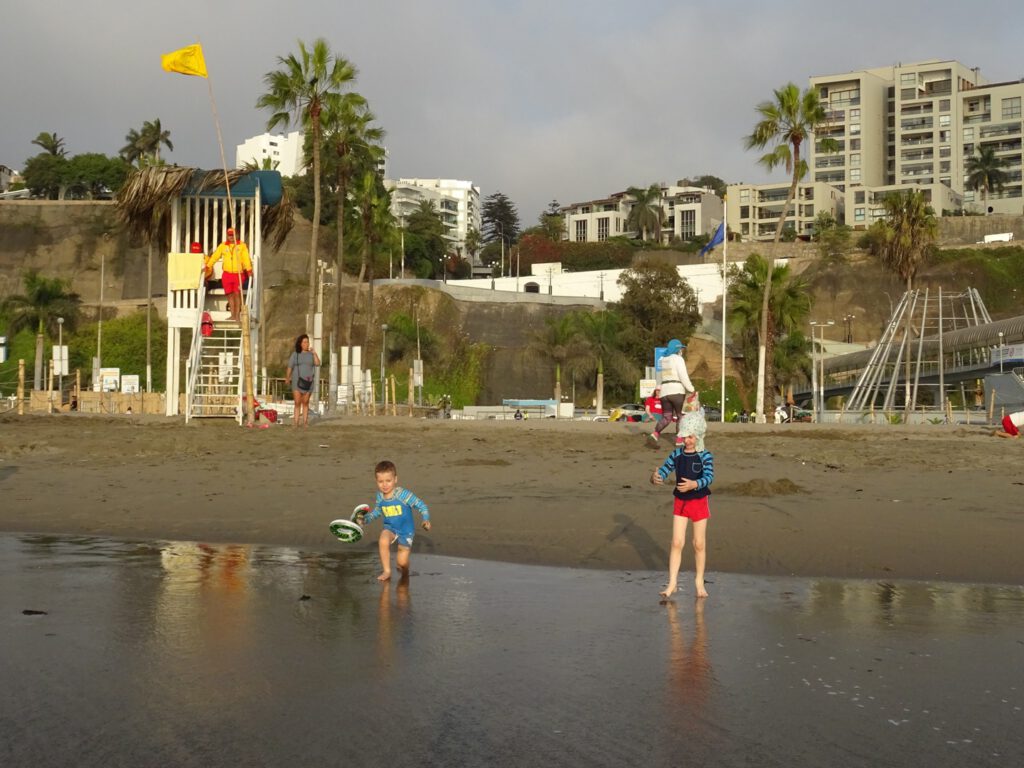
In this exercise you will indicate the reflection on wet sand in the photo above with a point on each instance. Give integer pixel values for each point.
(391, 616)
(689, 666)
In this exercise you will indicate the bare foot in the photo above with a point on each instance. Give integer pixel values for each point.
(386, 576)
(701, 591)
(669, 590)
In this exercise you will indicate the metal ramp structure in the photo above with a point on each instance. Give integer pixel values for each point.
(215, 374)
(931, 316)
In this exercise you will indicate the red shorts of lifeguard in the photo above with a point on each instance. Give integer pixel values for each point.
(230, 282)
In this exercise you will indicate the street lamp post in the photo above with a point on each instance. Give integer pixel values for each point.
(60, 355)
(501, 229)
(818, 398)
(383, 346)
(1000, 351)
(848, 320)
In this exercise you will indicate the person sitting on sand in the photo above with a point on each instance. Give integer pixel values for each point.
(396, 505)
(694, 470)
(1012, 422)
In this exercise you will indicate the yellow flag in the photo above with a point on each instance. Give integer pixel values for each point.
(188, 61)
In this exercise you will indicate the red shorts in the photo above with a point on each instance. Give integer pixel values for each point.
(230, 282)
(694, 509)
(1009, 427)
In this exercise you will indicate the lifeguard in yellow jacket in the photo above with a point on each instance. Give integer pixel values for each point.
(236, 263)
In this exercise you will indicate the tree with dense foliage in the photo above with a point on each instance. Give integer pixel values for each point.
(787, 121)
(44, 300)
(44, 175)
(297, 91)
(715, 184)
(94, 175)
(499, 220)
(645, 213)
(909, 231)
(985, 173)
(51, 143)
(657, 304)
(788, 311)
(552, 223)
(352, 146)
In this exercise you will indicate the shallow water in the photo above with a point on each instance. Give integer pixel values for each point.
(188, 654)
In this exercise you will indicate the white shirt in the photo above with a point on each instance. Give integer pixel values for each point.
(674, 378)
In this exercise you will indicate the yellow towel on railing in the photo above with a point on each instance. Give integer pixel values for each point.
(183, 271)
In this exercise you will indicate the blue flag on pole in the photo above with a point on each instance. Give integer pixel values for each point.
(716, 239)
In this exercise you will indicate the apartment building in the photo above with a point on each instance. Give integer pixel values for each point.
(457, 202)
(916, 126)
(755, 209)
(686, 212)
(866, 205)
(282, 153)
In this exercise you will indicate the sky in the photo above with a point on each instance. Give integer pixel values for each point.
(538, 99)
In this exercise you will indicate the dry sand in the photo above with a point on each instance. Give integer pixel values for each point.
(934, 503)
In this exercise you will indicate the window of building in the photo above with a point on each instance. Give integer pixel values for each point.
(855, 158)
(744, 194)
(944, 105)
(687, 223)
(944, 121)
(968, 134)
(854, 143)
(858, 196)
(858, 214)
(855, 114)
(618, 225)
(854, 128)
(945, 137)
(602, 228)
(854, 174)
(273, 143)
(584, 209)
(744, 211)
(908, 78)
(581, 231)
(1011, 108)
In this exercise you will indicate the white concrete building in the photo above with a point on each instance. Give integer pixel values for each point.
(283, 152)
(754, 209)
(917, 125)
(686, 212)
(458, 203)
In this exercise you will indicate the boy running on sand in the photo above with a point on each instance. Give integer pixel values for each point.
(694, 470)
(396, 505)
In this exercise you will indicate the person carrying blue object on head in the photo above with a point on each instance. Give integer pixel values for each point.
(676, 388)
(395, 505)
(694, 470)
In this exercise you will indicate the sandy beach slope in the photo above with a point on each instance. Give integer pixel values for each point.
(934, 503)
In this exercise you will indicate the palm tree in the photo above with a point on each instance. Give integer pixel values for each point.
(788, 309)
(297, 91)
(645, 214)
(50, 142)
(599, 334)
(559, 342)
(45, 299)
(373, 207)
(353, 147)
(985, 172)
(143, 146)
(787, 121)
(909, 230)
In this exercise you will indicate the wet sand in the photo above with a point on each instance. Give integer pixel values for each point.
(929, 502)
(171, 653)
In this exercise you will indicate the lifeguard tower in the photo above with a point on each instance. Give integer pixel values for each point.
(214, 371)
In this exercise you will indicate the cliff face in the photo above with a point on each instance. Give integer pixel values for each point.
(71, 239)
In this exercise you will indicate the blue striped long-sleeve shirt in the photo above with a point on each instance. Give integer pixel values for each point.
(699, 466)
(397, 511)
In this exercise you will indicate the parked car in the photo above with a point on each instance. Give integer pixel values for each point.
(628, 412)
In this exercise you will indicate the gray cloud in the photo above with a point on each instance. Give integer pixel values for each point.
(569, 100)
